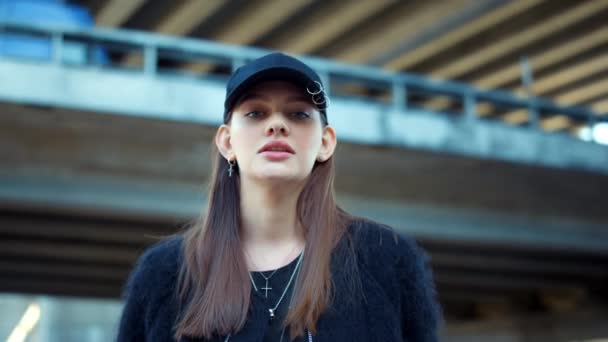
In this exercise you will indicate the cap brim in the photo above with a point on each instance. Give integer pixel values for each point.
(271, 74)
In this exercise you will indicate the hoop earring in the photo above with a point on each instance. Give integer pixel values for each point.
(231, 167)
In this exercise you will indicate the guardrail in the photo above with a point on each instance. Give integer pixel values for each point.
(153, 54)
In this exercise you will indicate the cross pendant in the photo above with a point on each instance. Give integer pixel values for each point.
(266, 288)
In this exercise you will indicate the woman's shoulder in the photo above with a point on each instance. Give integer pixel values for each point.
(397, 261)
(381, 241)
(384, 252)
(157, 268)
(164, 251)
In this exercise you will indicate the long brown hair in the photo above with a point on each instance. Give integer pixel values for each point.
(214, 283)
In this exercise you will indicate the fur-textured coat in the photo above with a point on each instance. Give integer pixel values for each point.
(397, 301)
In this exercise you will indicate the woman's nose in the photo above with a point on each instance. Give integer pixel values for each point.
(276, 125)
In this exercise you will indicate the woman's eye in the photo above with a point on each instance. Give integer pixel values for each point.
(300, 115)
(255, 114)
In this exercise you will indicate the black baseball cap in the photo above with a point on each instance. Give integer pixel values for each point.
(275, 66)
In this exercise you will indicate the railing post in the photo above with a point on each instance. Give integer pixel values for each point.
(591, 122)
(527, 80)
(150, 58)
(533, 115)
(399, 95)
(90, 49)
(469, 105)
(57, 47)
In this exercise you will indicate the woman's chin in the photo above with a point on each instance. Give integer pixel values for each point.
(277, 175)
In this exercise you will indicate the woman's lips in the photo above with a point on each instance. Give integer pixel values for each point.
(277, 150)
(276, 155)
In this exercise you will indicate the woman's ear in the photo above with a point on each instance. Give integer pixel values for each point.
(328, 144)
(222, 141)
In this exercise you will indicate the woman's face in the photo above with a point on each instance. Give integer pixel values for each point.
(275, 132)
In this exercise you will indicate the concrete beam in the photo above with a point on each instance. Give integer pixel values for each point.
(184, 18)
(176, 152)
(77, 227)
(556, 123)
(567, 98)
(127, 199)
(584, 324)
(502, 47)
(61, 287)
(173, 99)
(107, 227)
(487, 262)
(327, 25)
(245, 27)
(114, 13)
(493, 18)
(548, 83)
(405, 23)
(66, 251)
(538, 62)
(99, 272)
(462, 296)
(563, 301)
(187, 16)
(571, 74)
(449, 24)
(600, 107)
(503, 282)
(466, 225)
(583, 94)
(544, 59)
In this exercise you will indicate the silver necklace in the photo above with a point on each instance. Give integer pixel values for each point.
(271, 310)
(266, 288)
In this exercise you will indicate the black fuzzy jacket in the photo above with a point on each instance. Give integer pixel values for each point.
(398, 301)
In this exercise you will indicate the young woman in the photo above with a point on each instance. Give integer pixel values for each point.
(274, 258)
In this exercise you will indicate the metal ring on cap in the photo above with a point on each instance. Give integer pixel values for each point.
(317, 102)
(317, 92)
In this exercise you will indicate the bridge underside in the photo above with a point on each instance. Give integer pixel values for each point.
(500, 189)
(83, 193)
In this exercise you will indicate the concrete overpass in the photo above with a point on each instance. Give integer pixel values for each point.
(98, 161)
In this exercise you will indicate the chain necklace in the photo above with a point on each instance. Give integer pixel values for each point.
(271, 310)
(266, 288)
(295, 270)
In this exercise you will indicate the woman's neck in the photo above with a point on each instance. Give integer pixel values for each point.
(270, 231)
(268, 212)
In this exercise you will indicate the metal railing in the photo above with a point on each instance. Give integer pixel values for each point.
(402, 91)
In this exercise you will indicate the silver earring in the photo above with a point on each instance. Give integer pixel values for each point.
(231, 168)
